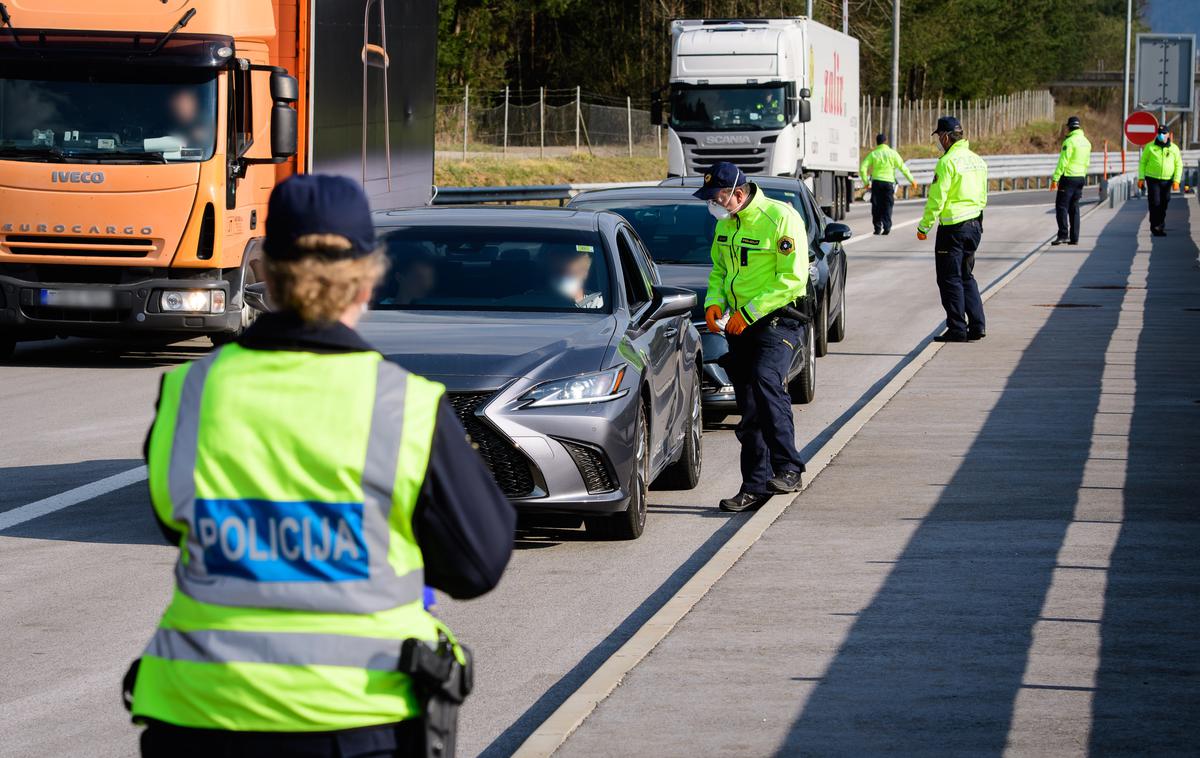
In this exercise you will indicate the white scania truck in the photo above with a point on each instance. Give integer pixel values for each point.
(774, 96)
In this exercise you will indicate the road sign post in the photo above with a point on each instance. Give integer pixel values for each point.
(1141, 127)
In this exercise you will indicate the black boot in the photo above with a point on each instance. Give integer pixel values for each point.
(788, 481)
(744, 501)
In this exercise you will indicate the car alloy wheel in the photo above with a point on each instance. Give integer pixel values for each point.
(630, 523)
(684, 474)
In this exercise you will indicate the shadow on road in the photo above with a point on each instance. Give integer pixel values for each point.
(113, 354)
(933, 665)
(516, 733)
(120, 517)
(1147, 697)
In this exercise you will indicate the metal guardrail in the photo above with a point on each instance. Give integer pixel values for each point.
(1001, 168)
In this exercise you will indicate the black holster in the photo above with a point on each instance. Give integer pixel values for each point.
(442, 684)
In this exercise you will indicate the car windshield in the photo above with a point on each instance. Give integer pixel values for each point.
(737, 108)
(677, 231)
(494, 268)
(105, 112)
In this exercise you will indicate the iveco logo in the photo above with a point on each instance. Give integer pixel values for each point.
(728, 139)
(77, 177)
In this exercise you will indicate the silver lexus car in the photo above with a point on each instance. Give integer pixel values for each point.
(575, 371)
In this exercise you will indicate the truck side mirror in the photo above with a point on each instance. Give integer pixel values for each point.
(656, 109)
(804, 110)
(285, 90)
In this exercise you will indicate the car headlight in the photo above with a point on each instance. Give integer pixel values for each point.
(585, 388)
(193, 301)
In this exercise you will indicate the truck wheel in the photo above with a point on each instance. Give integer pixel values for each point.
(248, 315)
(821, 327)
(804, 387)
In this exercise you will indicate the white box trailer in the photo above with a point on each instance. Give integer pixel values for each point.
(774, 96)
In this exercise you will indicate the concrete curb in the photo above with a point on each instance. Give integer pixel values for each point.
(555, 730)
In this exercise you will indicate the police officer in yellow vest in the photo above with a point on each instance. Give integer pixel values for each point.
(881, 169)
(1070, 174)
(313, 489)
(759, 274)
(956, 201)
(1160, 170)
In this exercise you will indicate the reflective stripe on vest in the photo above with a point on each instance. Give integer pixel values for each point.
(348, 587)
(285, 648)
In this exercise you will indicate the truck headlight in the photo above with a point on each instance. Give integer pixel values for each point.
(192, 301)
(585, 388)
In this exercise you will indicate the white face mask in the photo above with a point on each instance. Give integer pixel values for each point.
(719, 212)
(568, 286)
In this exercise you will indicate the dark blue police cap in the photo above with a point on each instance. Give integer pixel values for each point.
(1164, 129)
(947, 124)
(721, 175)
(318, 204)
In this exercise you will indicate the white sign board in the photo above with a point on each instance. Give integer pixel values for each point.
(1165, 66)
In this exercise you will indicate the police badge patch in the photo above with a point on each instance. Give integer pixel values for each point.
(786, 245)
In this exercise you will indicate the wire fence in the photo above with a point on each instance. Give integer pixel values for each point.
(544, 122)
(556, 121)
(980, 118)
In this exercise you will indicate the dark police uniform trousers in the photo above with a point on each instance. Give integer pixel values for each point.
(955, 247)
(1158, 192)
(758, 362)
(883, 196)
(1066, 207)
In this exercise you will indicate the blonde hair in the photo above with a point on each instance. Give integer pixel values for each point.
(317, 289)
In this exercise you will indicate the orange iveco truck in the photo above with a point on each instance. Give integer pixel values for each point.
(140, 140)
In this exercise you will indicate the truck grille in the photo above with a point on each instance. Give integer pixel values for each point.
(751, 160)
(592, 467)
(508, 466)
(101, 247)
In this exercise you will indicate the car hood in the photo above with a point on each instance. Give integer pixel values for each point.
(688, 276)
(480, 350)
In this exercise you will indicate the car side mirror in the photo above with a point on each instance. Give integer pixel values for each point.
(670, 301)
(255, 296)
(835, 232)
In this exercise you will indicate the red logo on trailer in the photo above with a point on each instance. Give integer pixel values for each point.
(1141, 127)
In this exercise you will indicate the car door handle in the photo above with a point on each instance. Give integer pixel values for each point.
(671, 332)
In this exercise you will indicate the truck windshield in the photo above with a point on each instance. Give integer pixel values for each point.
(107, 113)
(734, 108)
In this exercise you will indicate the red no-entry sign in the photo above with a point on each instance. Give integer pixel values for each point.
(1141, 127)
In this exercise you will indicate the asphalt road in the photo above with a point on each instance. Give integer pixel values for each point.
(81, 589)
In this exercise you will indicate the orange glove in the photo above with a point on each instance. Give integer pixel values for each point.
(922, 236)
(736, 324)
(1053, 184)
(711, 314)
(1175, 186)
(1141, 184)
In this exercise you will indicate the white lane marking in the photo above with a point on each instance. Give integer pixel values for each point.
(23, 513)
(852, 240)
(559, 725)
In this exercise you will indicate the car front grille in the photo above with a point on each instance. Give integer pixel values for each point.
(592, 467)
(508, 466)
